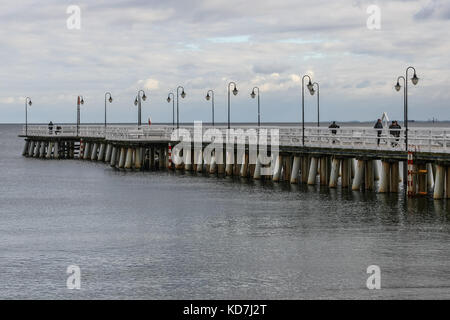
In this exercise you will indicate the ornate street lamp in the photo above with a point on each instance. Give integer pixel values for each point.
(27, 103)
(173, 107)
(110, 101)
(235, 92)
(253, 95)
(138, 103)
(80, 101)
(310, 88)
(211, 97)
(415, 81)
(183, 94)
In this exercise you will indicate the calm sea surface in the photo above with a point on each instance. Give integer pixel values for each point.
(161, 235)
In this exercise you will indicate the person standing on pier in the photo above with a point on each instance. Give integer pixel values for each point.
(50, 127)
(334, 126)
(378, 125)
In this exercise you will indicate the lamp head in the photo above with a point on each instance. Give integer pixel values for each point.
(398, 86)
(208, 96)
(30, 103)
(310, 85)
(82, 101)
(136, 101)
(183, 94)
(168, 99)
(312, 91)
(110, 99)
(253, 95)
(415, 79)
(235, 91)
(144, 97)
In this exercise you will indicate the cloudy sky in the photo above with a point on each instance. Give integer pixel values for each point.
(124, 46)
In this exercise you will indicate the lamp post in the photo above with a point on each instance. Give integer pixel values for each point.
(253, 95)
(208, 97)
(173, 107)
(110, 101)
(235, 92)
(312, 91)
(310, 87)
(138, 103)
(80, 101)
(183, 94)
(414, 80)
(397, 87)
(27, 103)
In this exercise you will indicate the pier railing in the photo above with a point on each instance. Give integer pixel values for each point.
(419, 139)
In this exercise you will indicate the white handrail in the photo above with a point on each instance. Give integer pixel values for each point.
(430, 140)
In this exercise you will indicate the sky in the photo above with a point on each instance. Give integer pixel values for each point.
(125, 46)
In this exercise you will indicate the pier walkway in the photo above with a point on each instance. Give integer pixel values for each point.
(352, 157)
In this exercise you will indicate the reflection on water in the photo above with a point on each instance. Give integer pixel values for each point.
(173, 235)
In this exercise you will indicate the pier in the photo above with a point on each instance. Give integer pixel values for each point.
(354, 158)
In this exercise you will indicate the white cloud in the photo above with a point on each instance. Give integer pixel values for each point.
(8, 100)
(149, 84)
(204, 44)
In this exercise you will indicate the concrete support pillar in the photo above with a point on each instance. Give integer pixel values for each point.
(295, 170)
(277, 169)
(87, 149)
(25, 148)
(323, 169)
(439, 183)
(138, 158)
(162, 158)
(430, 177)
(188, 160)
(49, 150)
(30, 149)
(199, 161)
(385, 177)
(94, 152)
(257, 173)
(447, 182)
(312, 171)
(394, 177)
(369, 180)
(152, 159)
(108, 153)
(244, 166)
(213, 165)
(122, 157)
(37, 146)
(113, 156)
(334, 176)
(129, 158)
(376, 170)
(42, 150)
(229, 165)
(359, 175)
(304, 169)
(56, 150)
(101, 152)
(353, 167)
(220, 166)
(287, 168)
(236, 167)
(346, 173)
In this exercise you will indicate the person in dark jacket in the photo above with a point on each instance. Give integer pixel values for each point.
(395, 132)
(50, 127)
(334, 125)
(378, 125)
